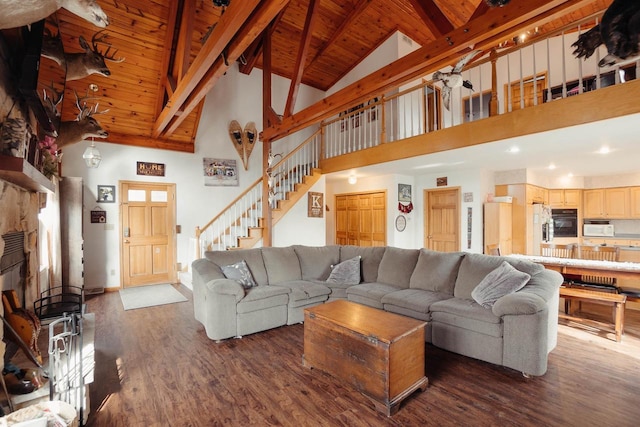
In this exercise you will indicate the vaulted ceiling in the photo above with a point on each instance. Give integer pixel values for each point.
(176, 51)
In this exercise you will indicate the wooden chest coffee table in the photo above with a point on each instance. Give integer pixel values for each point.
(379, 353)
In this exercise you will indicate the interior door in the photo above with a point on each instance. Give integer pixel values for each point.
(442, 219)
(147, 234)
(361, 219)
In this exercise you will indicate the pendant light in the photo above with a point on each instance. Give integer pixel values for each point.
(92, 156)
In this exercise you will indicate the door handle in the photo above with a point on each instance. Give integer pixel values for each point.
(126, 241)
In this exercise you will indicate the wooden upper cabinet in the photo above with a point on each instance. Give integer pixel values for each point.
(634, 202)
(537, 194)
(608, 203)
(565, 198)
(616, 202)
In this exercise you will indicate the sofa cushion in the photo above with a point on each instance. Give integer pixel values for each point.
(253, 258)
(501, 281)
(346, 273)
(474, 267)
(261, 298)
(303, 290)
(282, 265)
(397, 265)
(466, 314)
(316, 262)
(414, 299)
(370, 293)
(371, 257)
(436, 271)
(240, 273)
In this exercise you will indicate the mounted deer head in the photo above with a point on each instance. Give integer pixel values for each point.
(51, 102)
(81, 64)
(83, 127)
(16, 13)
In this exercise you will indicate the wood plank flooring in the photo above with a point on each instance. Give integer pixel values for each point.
(156, 367)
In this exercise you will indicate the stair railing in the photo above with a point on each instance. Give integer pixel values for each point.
(292, 168)
(234, 221)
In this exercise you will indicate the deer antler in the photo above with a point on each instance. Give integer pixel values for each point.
(53, 101)
(101, 37)
(84, 110)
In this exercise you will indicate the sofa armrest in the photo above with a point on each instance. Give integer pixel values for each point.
(226, 287)
(518, 303)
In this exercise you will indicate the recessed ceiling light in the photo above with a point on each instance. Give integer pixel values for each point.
(604, 150)
(570, 175)
(514, 150)
(552, 166)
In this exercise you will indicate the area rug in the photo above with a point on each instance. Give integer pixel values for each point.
(149, 296)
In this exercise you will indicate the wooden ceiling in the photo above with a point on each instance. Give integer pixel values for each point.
(155, 95)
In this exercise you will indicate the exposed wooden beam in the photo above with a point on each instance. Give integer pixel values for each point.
(183, 49)
(228, 26)
(254, 51)
(485, 31)
(360, 7)
(298, 71)
(150, 142)
(249, 31)
(482, 8)
(164, 82)
(432, 17)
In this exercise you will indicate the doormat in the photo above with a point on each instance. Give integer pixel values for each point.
(149, 296)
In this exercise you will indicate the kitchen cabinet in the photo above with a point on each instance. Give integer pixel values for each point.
(565, 198)
(610, 203)
(537, 194)
(498, 226)
(634, 202)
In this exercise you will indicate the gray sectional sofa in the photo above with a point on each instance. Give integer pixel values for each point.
(517, 330)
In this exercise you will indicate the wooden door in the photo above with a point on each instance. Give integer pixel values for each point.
(433, 108)
(442, 219)
(361, 219)
(147, 234)
(526, 91)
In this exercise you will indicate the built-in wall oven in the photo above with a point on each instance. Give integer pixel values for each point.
(565, 222)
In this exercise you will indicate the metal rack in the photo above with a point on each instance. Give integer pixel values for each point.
(66, 362)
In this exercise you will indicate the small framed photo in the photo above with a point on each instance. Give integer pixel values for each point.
(106, 193)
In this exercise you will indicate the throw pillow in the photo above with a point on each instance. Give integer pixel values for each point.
(501, 281)
(240, 273)
(346, 273)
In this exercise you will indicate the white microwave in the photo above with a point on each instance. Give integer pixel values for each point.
(598, 230)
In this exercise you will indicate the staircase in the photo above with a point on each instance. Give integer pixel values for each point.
(240, 225)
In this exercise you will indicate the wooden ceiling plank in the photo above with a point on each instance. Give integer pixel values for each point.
(253, 28)
(254, 51)
(488, 28)
(432, 17)
(228, 26)
(360, 7)
(303, 52)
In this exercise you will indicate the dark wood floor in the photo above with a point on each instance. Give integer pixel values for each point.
(156, 367)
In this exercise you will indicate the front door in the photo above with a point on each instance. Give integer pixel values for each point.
(442, 213)
(147, 234)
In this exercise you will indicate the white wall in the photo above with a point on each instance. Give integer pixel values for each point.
(297, 228)
(236, 96)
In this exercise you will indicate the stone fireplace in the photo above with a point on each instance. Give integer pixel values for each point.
(19, 220)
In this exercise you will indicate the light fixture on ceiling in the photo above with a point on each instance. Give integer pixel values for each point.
(513, 149)
(552, 166)
(352, 179)
(93, 87)
(221, 3)
(92, 156)
(604, 150)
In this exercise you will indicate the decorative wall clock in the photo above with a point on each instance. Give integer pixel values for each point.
(401, 222)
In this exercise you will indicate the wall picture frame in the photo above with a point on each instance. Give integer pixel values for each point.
(106, 194)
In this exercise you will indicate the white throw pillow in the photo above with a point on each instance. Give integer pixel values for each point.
(346, 273)
(501, 281)
(240, 273)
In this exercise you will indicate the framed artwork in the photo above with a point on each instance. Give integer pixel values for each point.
(404, 193)
(315, 205)
(220, 172)
(106, 193)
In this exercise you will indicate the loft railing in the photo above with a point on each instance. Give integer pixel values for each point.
(518, 74)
